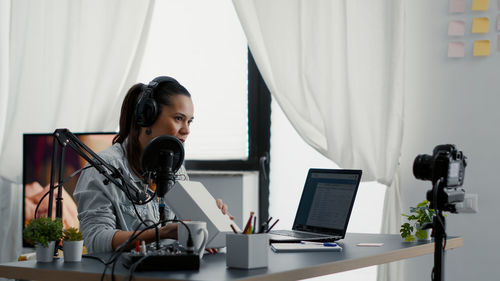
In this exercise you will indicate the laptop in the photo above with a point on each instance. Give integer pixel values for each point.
(325, 207)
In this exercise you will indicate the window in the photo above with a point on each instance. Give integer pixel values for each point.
(201, 44)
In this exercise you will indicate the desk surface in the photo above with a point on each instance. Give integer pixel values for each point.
(282, 266)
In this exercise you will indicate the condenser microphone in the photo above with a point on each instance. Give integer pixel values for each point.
(162, 157)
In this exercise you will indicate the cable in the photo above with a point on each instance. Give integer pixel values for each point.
(118, 251)
(263, 160)
(122, 247)
(189, 244)
(129, 196)
(135, 208)
(56, 186)
(134, 266)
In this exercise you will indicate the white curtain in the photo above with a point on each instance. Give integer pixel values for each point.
(336, 69)
(64, 64)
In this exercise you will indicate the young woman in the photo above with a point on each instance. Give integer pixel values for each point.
(107, 217)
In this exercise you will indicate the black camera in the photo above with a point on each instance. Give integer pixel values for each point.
(446, 168)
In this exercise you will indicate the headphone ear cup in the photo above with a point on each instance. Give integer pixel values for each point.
(150, 112)
(146, 110)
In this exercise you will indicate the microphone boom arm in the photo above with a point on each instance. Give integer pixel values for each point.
(65, 138)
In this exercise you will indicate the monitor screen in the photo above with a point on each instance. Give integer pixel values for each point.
(37, 159)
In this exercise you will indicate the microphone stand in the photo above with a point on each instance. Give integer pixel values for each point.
(55, 146)
(163, 179)
(63, 138)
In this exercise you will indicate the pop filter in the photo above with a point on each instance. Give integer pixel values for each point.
(150, 158)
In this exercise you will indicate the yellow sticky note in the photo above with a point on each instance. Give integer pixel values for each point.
(480, 5)
(480, 25)
(481, 48)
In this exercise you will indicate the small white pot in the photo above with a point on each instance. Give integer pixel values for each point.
(45, 254)
(73, 251)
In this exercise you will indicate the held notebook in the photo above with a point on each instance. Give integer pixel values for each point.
(325, 207)
(191, 200)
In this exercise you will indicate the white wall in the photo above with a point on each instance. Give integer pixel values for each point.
(454, 101)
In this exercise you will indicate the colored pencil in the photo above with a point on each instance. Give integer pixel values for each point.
(247, 226)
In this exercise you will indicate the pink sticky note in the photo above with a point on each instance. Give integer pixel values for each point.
(458, 6)
(456, 50)
(456, 28)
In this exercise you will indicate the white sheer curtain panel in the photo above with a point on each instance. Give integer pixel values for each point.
(336, 70)
(69, 64)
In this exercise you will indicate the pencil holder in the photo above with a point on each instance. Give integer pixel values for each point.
(247, 251)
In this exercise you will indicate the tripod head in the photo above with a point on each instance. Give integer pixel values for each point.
(446, 169)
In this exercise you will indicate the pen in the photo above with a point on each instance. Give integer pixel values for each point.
(234, 229)
(264, 225)
(269, 220)
(326, 244)
(254, 224)
(269, 229)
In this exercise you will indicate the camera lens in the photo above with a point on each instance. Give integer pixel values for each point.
(422, 167)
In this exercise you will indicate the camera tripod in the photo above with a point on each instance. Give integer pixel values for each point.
(439, 230)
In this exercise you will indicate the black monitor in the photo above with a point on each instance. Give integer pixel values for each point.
(37, 157)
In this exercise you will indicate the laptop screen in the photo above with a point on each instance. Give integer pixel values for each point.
(327, 201)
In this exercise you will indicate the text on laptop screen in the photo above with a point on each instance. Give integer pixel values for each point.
(326, 202)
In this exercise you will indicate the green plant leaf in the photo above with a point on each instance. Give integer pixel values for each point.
(421, 234)
(43, 230)
(412, 217)
(410, 238)
(406, 230)
(72, 234)
(424, 203)
(418, 216)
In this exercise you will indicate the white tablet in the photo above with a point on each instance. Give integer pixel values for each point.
(190, 200)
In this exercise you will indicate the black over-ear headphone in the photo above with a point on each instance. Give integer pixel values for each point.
(147, 110)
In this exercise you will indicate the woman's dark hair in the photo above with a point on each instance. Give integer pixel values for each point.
(130, 130)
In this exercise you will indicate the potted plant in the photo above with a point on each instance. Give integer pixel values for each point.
(415, 220)
(72, 245)
(43, 233)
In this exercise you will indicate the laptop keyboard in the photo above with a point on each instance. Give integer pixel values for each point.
(296, 234)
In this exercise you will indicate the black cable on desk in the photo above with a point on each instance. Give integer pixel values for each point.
(121, 248)
(56, 186)
(134, 266)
